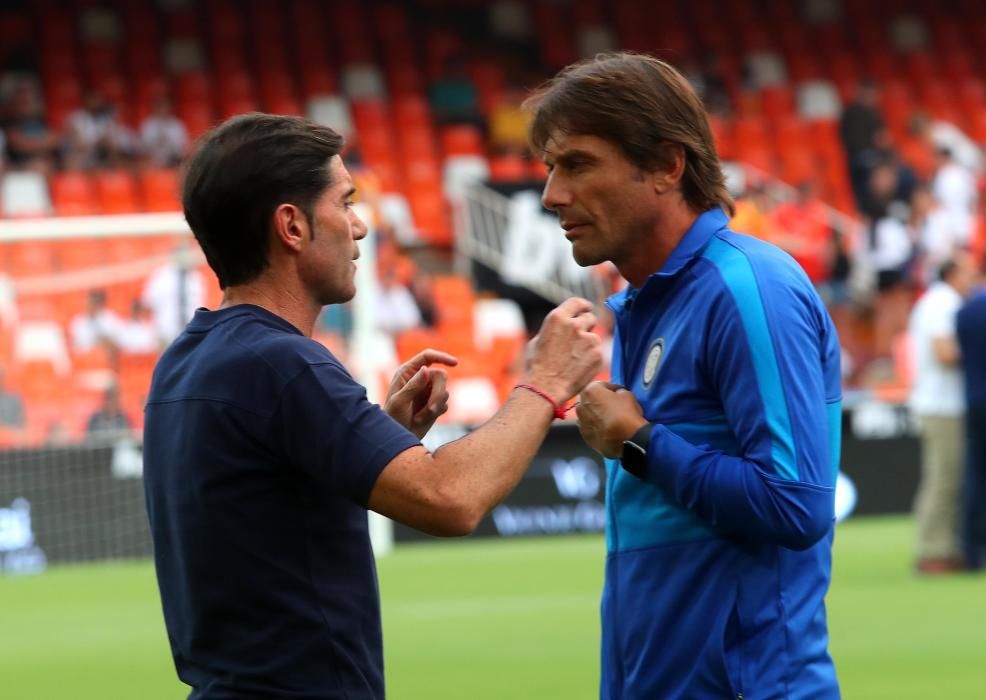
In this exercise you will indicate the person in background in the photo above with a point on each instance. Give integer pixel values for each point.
(163, 137)
(136, 334)
(721, 426)
(954, 187)
(890, 251)
(802, 229)
(94, 136)
(11, 405)
(935, 230)
(31, 144)
(97, 326)
(423, 292)
(970, 329)
(173, 292)
(859, 124)
(396, 309)
(109, 420)
(509, 123)
(453, 96)
(938, 403)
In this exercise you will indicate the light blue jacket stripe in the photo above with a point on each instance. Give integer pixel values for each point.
(835, 436)
(737, 274)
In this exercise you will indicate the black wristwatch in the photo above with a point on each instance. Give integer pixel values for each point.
(634, 457)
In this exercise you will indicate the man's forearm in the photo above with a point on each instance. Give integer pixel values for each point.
(484, 466)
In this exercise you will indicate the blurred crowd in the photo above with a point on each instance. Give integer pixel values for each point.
(92, 137)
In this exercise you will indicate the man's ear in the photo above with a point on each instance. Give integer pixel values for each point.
(290, 226)
(669, 174)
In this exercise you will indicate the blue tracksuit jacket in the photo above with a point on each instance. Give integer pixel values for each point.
(720, 557)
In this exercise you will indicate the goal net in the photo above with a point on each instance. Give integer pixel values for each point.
(86, 306)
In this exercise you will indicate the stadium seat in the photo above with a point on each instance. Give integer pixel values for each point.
(495, 319)
(363, 82)
(116, 192)
(462, 140)
(72, 194)
(508, 168)
(38, 343)
(472, 400)
(333, 111)
(431, 219)
(159, 189)
(462, 172)
(24, 194)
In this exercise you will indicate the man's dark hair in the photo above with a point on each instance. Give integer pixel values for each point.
(949, 267)
(240, 172)
(641, 105)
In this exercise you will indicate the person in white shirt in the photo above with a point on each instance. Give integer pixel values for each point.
(938, 403)
(396, 309)
(96, 326)
(954, 186)
(137, 334)
(936, 232)
(94, 137)
(173, 303)
(163, 137)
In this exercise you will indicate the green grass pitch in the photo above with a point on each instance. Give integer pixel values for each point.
(504, 619)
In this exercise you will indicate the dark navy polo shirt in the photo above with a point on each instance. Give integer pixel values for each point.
(260, 451)
(970, 326)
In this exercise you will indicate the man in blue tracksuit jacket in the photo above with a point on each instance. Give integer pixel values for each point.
(722, 424)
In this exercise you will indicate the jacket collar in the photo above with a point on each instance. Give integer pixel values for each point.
(689, 247)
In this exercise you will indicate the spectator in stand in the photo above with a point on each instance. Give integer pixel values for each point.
(835, 290)
(938, 402)
(11, 405)
(396, 310)
(753, 214)
(801, 227)
(163, 137)
(31, 144)
(172, 293)
(96, 326)
(936, 232)
(860, 122)
(137, 334)
(94, 137)
(971, 332)
(424, 296)
(453, 96)
(509, 123)
(890, 251)
(937, 134)
(954, 186)
(109, 420)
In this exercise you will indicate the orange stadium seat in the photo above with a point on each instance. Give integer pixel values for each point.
(159, 189)
(508, 168)
(117, 192)
(462, 140)
(72, 194)
(430, 213)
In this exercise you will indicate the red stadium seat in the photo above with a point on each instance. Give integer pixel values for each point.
(430, 214)
(508, 168)
(159, 189)
(462, 140)
(117, 192)
(72, 194)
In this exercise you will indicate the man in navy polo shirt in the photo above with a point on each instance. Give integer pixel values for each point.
(262, 454)
(970, 327)
(723, 440)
